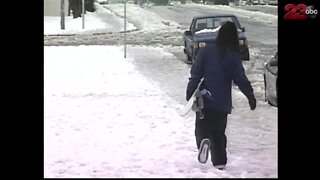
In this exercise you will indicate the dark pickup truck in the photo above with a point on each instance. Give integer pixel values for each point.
(204, 29)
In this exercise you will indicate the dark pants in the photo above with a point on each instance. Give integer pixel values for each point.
(213, 126)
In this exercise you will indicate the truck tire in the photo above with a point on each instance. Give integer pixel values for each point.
(265, 91)
(193, 58)
(188, 59)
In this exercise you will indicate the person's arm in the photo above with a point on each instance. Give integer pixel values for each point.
(240, 79)
(196, 74)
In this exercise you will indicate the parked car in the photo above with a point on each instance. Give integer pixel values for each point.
(204, 30)
(271, 80)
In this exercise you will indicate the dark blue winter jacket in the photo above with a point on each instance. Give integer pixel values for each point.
(218, 74)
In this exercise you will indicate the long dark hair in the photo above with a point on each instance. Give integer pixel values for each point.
(228, 38)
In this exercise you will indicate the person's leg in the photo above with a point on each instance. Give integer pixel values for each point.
(202, 129)
(218, 137)
(202, 133)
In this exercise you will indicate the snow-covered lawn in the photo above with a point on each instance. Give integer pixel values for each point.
(103, 118)
(101, 20)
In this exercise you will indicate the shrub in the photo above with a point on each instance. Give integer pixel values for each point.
(89, 5)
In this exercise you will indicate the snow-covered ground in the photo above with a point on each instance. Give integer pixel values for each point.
(103, 118)
(107, 116)
(145, 20)
(100, 21)
(256, 16)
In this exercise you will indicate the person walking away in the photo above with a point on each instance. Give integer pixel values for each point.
(219, 64)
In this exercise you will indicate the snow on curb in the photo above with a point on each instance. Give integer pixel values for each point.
(144, 19)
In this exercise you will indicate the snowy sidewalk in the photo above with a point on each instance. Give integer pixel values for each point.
(101, 21)
(103, 119)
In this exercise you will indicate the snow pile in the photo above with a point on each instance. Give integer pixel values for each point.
(208, 30)
(145, 20)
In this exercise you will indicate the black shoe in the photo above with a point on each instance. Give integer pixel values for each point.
(204, 151)
(220, 167)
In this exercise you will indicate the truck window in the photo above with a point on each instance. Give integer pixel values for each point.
(220, 21)
(201, 24)
(212, 23)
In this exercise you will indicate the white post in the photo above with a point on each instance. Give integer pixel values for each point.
(83, 14)
(62, 15)
(125, 28)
